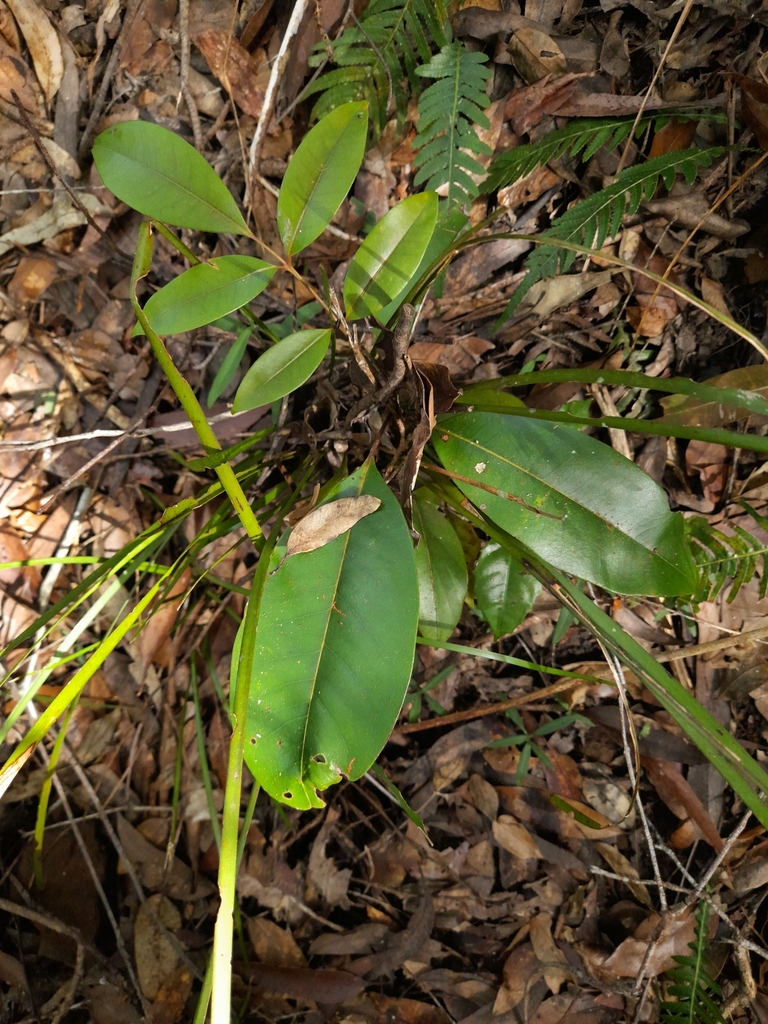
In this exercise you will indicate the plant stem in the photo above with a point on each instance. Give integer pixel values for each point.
(184, 392)
(221, 996)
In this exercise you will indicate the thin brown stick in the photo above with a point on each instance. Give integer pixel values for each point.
(491, 709)
(713, 645)
(184, 90)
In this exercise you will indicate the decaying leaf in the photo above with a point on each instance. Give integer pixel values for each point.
(43, 43)
(329, 521)
(155, 957)
(754, 107)
(536, 54)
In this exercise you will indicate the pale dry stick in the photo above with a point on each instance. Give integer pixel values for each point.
(270, 95)
(65, 996)
(712, 645)
(93, 816)
(184, 90)
(673, 887)
(727, 846)
(109, 71)
(54, 442)
(181, 953)
(672, 40)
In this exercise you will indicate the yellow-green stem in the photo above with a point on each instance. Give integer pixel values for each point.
(184, 392)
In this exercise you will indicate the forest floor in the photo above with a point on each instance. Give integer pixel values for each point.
(513, 910)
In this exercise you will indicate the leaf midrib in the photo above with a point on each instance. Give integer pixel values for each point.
(579, 504)
(166, 178)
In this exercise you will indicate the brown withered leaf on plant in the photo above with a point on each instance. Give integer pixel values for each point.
(327, 522)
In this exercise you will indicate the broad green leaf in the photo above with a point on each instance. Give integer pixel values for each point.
(588, 510)
(206, 292)
(229, 365)
(334, 652)
(162, 176)
(388, 258)
(451, 221)
(504, 590)
(282, 369)
(441, 569)
(320, 175)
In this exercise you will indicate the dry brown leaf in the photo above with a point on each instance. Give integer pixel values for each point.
(515, 838)
(327, 522)
(548, 953)
(754, 107)
(8, 30)
(240, 72)
(171, 997)
(43, 42)
(695, 412)
(678, 795)
(678, 931)
(614, 55)
(527, 106)
(619, 863)
(273, 945)
(535, 54)
(710, 461)
(520, 973)
(156, 958)
(16, 76)
(32, 277)
(671, 137)
(324, 879)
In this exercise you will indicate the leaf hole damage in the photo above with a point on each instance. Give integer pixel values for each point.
(288, 795)
(319, 759)
(253, 741)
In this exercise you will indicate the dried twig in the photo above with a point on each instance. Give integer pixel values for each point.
(184, 90)
(271, 94)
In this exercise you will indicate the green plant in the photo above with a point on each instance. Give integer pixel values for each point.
(526, 741)
(592, 220)
(326, 645)
(377, 58)
(448, 112)
(691, 985)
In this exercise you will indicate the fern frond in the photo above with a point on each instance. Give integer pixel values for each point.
(691, 985)
(448, 111)
(579, 138)
(594, 219)
(721, 558)
(391, 39)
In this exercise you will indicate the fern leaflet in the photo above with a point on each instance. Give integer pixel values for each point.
(448, 111)
(378, 56)
(721, 557)
(691, 985)
(594, 219)
(583, 137)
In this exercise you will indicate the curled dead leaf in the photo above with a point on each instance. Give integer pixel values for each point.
(327, 522)
(43, 42)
